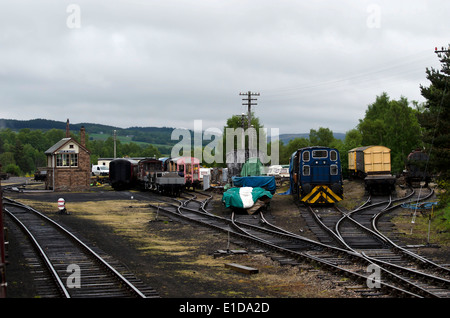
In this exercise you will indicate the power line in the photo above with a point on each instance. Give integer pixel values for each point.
(439, 54)
(399, 67)
(442, 50)
(249, 103)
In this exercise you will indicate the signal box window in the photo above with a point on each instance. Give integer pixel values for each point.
(67, 160)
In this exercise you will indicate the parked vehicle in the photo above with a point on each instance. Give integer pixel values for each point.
(100, 170)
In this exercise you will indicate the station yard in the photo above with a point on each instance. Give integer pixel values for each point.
(177, 259)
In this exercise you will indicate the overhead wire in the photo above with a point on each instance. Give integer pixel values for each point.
(431, 145)
(393, 70)
(398, 73)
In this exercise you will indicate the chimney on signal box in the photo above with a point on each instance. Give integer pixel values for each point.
(83, 136)
(67, 129)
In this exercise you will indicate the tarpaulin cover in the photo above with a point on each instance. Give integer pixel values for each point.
(253, 167)
(264, 182)
(286, 193)
(244, 197)
(419, 206)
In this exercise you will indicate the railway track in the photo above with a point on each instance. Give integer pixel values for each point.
(338, 252)
(294, 249)
(358, 231)
(411, 266)
(68, 267)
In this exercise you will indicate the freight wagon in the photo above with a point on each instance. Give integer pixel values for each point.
(373, 164)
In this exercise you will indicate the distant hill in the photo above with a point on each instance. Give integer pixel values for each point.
(285, 138)
(47, 124)
(152, 135)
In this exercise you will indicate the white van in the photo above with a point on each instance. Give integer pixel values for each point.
(100, 170)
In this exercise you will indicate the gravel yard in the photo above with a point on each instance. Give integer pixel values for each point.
(175, 258)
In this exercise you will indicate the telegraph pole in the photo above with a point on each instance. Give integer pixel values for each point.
(442, 50)
(249, 103)
(115, 137)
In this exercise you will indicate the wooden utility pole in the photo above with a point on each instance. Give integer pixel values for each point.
(249, 103)
(442, 50)
(115, 137)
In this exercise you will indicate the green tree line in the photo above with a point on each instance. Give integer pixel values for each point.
(400, 125)
(391, 123)
(23, 151)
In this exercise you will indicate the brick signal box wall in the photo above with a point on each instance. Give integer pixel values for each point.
(68, 165)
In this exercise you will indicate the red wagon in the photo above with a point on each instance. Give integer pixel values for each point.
(189, 168)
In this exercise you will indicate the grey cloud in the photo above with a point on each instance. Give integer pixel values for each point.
(167, 63)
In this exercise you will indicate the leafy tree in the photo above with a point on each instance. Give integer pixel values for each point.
(8, 139)
(373, 131)
(19, 156)
(391, 123)
(292, 146)
(403, 130)
(7, 158)
(321, 137)
(353, 139)
(150, 151)
(435, 118)
(24, 151)
(53, 136)
(13, 170)
(235, 122)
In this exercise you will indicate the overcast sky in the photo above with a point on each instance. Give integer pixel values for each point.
(167, 63)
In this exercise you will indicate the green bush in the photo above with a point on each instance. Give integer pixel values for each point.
(13, 169)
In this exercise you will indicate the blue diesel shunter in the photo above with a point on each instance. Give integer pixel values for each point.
(316, 175)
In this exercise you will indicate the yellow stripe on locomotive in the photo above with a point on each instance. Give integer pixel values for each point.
(321, 194)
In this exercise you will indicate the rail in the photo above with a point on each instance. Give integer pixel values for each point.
(81, 244)
(236, 228)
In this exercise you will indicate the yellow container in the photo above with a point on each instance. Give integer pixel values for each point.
(370, 160)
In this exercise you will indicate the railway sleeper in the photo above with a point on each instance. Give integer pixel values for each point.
(373, 294)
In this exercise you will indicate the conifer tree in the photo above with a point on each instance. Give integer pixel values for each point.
(435, 119)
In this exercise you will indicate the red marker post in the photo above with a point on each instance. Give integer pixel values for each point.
(62, 206)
